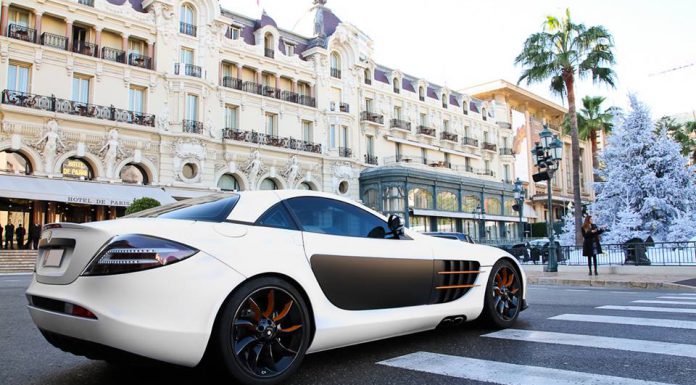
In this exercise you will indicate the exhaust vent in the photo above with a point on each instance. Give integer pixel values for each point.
(453, 279)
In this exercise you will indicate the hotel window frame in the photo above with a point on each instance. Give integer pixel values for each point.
(289, 49)
(19, 66)
(84, 85)
(307, 130)
(271, 124)
(231, 117)
(187, 14)
(191, 107)
(13, 16)
(183, 58)
(132, 90)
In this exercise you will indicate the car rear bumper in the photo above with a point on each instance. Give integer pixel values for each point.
(165, 314)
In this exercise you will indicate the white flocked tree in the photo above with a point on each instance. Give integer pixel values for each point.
(648, 189)
(567, 236)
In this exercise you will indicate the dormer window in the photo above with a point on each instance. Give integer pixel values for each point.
(187, 20)
(268, 46)
(368, 76)
(444, 100)
(397, 89)
(335, 65)
(289, 49)
(421, 93)
(233, 32)
(465, 107)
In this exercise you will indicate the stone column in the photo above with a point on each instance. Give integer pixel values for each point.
(97, 38)
(38, 16)
(294, 85)
(68, 34)
(51, 212)
(124, 44)
(5, 14)
(221, 73)
(151, 53)
(36, 212)
(239, 71)
(100, 213)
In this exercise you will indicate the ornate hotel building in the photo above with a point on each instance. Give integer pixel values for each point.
(105, 101)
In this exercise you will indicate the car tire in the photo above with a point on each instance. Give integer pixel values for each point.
(502, 301)
(263, 332)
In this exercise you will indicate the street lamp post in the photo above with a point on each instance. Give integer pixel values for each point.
(520, 194)
(478, 214)
(547, 155)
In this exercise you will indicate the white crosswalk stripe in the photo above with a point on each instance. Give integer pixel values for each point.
(665, 302)
(590, 341)
(648, 308)
(688, 294)
(501, 372)
(658, 322)
(677, 297)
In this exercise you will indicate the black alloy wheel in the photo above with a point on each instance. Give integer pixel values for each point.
(264, 332)
(503, 297)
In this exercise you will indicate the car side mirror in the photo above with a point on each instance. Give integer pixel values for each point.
(396, 225)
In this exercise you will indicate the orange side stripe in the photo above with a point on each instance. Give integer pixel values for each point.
(460, 272)
(454, 287)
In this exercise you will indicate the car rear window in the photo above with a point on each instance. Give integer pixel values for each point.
(210, 208)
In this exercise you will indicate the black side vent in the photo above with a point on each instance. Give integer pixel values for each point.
(452, 279)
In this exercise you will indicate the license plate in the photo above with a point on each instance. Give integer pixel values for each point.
(53, 257)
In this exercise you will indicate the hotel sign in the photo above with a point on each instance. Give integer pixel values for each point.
(98, 201)
(75, 169)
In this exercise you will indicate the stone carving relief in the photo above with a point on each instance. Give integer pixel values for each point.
(292, 171)
(253, 168)
(163, 118)
(111, 152)
(189, 150)
(50, 145)
(342, 172)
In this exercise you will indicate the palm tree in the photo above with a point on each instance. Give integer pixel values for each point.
(564, 51)
(681, 133)
(591, 121)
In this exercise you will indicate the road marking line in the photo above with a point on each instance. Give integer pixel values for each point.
(624, 292)
(663, 323)
(687, 294)
(648, 308)
(576, 290)
(632, 345)
(665, 302)
(675, 297)
(501, 372)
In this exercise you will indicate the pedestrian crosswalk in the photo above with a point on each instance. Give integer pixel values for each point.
(674, 312)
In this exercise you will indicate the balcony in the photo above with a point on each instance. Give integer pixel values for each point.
(345, 152)
(289, 96)
(490, 146)
(189, 70)
(307, 100)
(427, 131)
(335, 73)
(344, 107)
(85, 48)
(271, 92)
(55, 41)
(506, 151)
(371, 159)
(230, 82)
(269, 53)
(372, 117)
(138, 60)
(89, 3)
(192, 126)
(19, 32)
(113, 54)
(187, 29)
(271, 140)
(449, 136)
(368, 81)
(400, 124)
(232, 33)
(70, 107)
(467, 141)
(253, 88)
(485, 172)
(397, 90)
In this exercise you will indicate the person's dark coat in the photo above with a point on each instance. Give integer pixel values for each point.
(9, 231)
(20, 232)
(590, 244)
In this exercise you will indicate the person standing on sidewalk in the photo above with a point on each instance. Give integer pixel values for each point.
(9, 236)
(20, 232)
(590, 245)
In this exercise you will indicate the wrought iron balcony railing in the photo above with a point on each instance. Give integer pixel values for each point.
(490, 146)
(89, 3)
(307, 100)
(371, 159)
(449, 136)
(344, 107)
(400, 124)
(85, 48)
(113, 54)
(138, 60)
(252, 87)
(345, 152)
(467, 141)
(55, 41)
(20, 32)
(271, 140)
(289, 96)
(232, 82)
(336, 73)
(71, 107)
(368, 81)
(187, 29)
(269, 53)
(372, 117)
(427, 131)
(188, 70)
(271, 92)
(506, 151)
(192, 126)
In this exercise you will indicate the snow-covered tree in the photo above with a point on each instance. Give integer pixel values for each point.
(647, 186)
(567, 237)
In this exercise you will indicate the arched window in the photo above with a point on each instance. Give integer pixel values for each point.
(397, 86)
(304, 186)
(421, 93)
(268, 45)
(508, 207)
(133, 174)
(447, 201)
(268, 184)
(465, 107)
(469, 203)
(335, 65)
(77, 168)
(444, 100)
(187, 20)
(368, 76)
(228, 182)
(493, 206)
(393, 199)
(420, 198)
(12, 162)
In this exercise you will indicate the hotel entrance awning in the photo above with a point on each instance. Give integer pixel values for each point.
(80, 192)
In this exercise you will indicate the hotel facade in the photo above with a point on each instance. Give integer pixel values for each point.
(105, 101)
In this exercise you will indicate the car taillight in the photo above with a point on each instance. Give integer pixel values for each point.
(129, 253)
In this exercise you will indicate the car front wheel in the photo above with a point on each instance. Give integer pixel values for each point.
(264, 332)
(503, 297)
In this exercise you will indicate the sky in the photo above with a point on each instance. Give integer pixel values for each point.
(460, 43)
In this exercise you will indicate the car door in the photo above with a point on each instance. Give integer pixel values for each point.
(355, 259)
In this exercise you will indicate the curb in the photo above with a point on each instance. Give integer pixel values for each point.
(610, 284)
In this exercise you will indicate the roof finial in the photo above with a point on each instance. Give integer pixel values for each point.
(320, 2)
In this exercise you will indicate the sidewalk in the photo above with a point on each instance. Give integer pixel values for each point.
(634, 277)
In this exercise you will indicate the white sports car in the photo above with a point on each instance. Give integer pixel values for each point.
(255, 280)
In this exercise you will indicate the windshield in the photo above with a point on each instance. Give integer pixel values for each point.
(210, 208)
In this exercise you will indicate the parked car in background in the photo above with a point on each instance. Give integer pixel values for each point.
(540, 247)
(520, 251)
(455, 236)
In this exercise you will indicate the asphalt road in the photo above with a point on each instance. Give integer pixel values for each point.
(664, 352)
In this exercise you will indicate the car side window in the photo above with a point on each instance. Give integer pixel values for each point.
(329, 216)
(277, 216)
